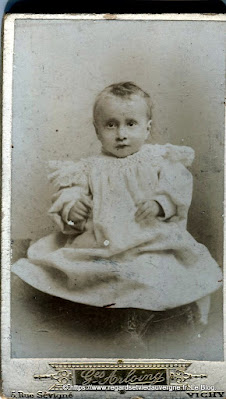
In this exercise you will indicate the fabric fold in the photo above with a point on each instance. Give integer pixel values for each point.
(110, 257)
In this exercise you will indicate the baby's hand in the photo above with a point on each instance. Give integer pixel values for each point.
(80, 211)
(147, 210)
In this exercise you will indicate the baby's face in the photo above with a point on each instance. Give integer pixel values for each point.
(122, 124)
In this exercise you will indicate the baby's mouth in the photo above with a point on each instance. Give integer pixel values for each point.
(120, 146)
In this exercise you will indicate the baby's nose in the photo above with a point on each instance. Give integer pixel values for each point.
(122, 133)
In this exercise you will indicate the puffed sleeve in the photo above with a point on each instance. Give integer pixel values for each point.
(71, 180)
(175, 184)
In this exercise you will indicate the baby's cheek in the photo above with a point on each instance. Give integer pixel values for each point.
(108, 141)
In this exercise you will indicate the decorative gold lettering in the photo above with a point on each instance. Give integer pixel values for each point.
(103, 378)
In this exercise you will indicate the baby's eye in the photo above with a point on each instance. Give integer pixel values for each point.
(131, 123)
(111, 124)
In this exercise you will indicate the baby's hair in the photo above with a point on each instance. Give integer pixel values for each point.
(124, 90)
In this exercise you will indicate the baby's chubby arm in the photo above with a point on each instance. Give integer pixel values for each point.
(172, 196)
(148, 210)
(73, 194)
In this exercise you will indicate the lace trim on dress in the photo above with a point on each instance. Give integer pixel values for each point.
(68, 173)
(153, 153)
(177, 153)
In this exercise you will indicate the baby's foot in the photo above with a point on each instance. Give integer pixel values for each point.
(138, 324)
(190, 315)
(204, 319)
(132, 323)
(204, 308)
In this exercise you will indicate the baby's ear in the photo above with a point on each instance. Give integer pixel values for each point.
(149, 126)
(95, 127)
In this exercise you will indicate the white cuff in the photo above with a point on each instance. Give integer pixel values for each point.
(169, 208)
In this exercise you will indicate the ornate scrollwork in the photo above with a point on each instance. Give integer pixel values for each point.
(67, 372)
(179, 376)
(62, 376)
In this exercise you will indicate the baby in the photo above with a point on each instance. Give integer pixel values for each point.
(122, 120)
(123, 215)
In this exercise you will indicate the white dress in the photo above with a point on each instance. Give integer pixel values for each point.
(110, 259)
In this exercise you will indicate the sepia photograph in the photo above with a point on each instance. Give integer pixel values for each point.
(116, 188)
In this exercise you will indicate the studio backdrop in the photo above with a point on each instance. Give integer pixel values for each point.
(60, 67)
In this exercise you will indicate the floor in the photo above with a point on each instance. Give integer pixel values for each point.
(47, 326)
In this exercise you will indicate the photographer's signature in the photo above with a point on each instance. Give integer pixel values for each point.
(131, 377)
